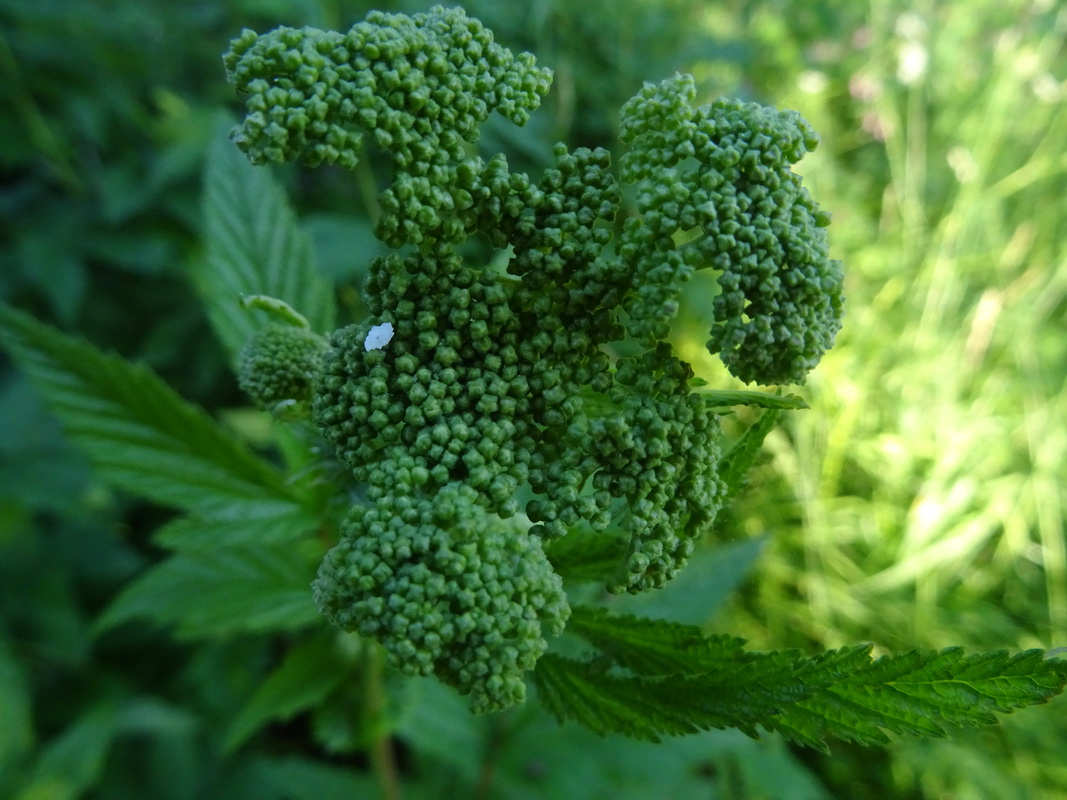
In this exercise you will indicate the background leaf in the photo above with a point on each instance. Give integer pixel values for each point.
(16, 711)
(307, 675)
(702, 589)
(250, 589)
(139, 433)
(242, 524)
(254, 246)
(71, 763)
(654, 678)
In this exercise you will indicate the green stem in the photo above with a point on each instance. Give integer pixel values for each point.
(382, 754)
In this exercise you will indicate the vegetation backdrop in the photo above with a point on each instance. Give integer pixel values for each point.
(919, 502)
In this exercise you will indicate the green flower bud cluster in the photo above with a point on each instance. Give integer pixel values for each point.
(447, 589)
(415, 87)
(448, 395)
(278, 366)
(649, 456)
(720, 177)
(470, 387)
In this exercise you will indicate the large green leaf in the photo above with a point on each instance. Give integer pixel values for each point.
(917, 693)
(250, 589)
(140, 434)
(254, 247)
(654, 678)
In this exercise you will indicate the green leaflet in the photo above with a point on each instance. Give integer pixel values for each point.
(737, 461)
(141, 434)
(585, 555)
(310, 671)
(254, 247)
(605, 703)
(654, 647)
(265, 522)
(919, 693)
(251, 589)
(652, 679)
(726, 399)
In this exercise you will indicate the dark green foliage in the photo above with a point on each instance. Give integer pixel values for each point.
(137, 430)
(525, 436)
(650, 679)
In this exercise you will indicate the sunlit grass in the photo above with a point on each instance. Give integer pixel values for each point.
(921, 501)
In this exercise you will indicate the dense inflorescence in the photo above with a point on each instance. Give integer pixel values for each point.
(416, 88)
(446, 394)
(447, 589)
(650, 455)
(278, 366)
(721, 175)
(488, 410)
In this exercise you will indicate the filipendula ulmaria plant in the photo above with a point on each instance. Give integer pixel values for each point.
(499, 434)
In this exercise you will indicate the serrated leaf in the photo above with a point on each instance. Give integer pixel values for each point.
(255, 522)
(577, 690)
(738, 460)
(254, 247)
(140, 434)
(310, 671)
(251, 589)
(655, 647)
(653, 678)
(919, 693)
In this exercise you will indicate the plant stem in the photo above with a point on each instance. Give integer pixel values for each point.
(382, 755)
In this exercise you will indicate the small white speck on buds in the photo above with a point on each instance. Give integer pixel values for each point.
(379, 336)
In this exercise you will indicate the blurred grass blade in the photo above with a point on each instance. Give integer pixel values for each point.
(16, 709)
(70, 765)
(254, 247)
(141, 435)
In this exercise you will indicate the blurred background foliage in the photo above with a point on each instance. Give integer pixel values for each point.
(919, 502)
